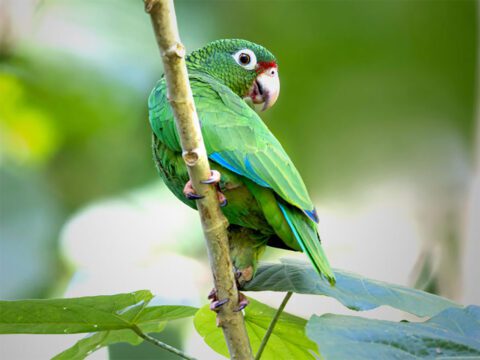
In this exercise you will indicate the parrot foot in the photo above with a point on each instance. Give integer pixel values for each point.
(213, 179)
(243, 276)
(191, 194)
(242, 302)
(222, 199)
(216, 304)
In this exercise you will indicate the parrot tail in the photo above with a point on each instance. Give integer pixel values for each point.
(306, 234)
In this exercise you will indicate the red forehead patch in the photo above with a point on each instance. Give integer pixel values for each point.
(264, 65)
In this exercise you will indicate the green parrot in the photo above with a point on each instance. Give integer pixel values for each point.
(261, 192)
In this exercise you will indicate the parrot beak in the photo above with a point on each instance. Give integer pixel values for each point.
(266, 88)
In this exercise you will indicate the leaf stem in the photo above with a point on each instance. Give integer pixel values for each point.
(161, 344)
(272, 325)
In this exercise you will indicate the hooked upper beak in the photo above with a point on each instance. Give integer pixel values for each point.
(265, 88)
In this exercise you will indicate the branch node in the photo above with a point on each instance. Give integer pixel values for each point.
(191, 157)
(177, 50)
(149, 4)
(213, 230)
(177, 102)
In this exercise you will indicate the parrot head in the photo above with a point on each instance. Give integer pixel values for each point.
(248, 69)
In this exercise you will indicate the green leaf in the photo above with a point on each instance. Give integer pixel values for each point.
(86, 314)
(288, 340)
(110, 319)
(152, 319)
(353, 291)
(75, 315)
(96, 341)
(452, 334)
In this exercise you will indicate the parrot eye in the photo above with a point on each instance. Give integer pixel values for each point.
(246, 58)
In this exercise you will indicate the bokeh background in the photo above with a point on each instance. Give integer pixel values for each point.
(378, 110)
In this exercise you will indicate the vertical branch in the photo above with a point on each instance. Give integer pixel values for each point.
(214, 224)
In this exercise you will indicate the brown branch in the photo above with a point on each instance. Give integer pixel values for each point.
(214, 224)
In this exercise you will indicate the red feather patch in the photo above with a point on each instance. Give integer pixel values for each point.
(264, 65)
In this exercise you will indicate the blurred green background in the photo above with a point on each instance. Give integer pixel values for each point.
(378, 110)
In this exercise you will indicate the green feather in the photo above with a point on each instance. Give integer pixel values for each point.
(306, 234)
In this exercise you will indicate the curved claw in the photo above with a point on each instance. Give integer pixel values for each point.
(193, 196)
(215, 305)
(242, 302)
(222, 199)
(212, 295)
(190, 192)
(241, 305)
(213, 179)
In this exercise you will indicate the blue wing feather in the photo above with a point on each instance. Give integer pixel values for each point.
(219, 159)
(249, 172)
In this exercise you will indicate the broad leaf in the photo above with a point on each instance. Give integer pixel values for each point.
(152, 319)
(288, 340)
(110, 319)
(75, 315)
(452, 334)
(95, 341)
(353, 291)
(85, 314)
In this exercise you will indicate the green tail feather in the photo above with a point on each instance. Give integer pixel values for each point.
(306, 234)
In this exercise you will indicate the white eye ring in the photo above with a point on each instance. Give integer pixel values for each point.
(246, 58)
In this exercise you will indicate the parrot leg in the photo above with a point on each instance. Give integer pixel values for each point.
(191, 194)
(246, 246)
